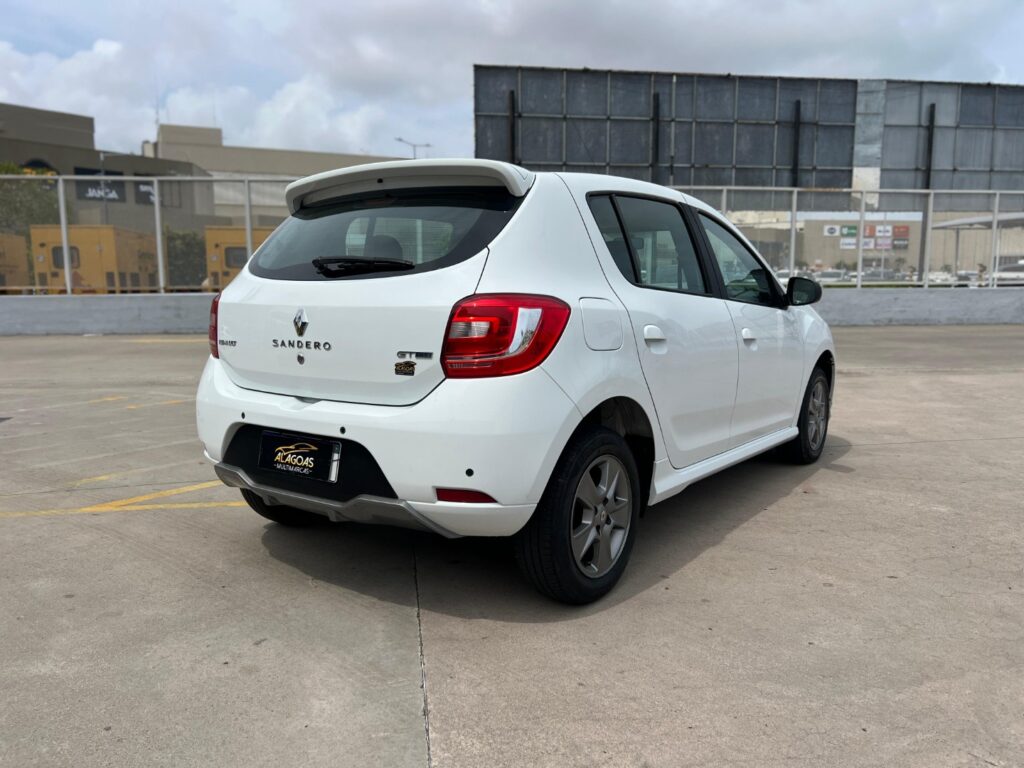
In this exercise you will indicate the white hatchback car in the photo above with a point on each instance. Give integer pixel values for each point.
(470, 348)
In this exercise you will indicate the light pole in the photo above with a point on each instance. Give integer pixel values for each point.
(414, 145)
(104, 154)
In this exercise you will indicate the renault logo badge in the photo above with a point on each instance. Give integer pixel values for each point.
(300, 322)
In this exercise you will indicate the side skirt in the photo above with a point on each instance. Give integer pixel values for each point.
(668, 481)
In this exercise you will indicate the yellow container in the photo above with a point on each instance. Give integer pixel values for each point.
(14, 276)
(226, 253)
(104, 259)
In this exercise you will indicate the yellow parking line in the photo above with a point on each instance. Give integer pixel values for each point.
(180, 505)
(135, 471)
(99, 509)
(96, 479)
(105, 399)
(94, 457)
(134, 503)
(149, 405)
(155, 495)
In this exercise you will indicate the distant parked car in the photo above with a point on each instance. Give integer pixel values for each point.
(832, 276)
(966, 277)
(940, 277)
(783, 275)
(1009, 275)
(882, 276)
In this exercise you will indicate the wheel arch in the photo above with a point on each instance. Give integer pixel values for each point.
(827, 362)
(627, 418)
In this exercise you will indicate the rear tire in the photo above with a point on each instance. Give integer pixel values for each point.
(576, 545)
(282, 515)
(815, 411)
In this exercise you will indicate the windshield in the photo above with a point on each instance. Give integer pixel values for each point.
(384, 235)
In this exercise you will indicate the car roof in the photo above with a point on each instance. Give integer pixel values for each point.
(595, 182)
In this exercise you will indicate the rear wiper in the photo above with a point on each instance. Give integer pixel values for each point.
(336, 266)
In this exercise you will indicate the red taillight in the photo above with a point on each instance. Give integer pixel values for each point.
(500, 334)
(463, 496)
(213, 326)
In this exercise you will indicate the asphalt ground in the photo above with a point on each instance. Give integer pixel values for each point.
(866, 610)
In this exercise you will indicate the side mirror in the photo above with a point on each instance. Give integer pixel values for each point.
(801, 291)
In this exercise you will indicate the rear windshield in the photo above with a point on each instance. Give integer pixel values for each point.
(396, 233)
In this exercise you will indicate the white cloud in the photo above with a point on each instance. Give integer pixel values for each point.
(94, 81)
(325, 119)
(351, 76)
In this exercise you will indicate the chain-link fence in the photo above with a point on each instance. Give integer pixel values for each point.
(103, 235)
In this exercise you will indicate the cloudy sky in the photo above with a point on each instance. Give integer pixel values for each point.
(349, 76)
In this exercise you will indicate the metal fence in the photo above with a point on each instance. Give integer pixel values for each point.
(132, 234)
(136, 234)
(847, 238)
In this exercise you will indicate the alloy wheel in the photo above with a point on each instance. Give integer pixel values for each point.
(601, 515)
(817, 415)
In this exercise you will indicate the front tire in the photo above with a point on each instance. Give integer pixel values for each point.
(578, 542)
(815, 411)
(290, 516)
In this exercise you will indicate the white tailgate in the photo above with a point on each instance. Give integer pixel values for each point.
(358, 329)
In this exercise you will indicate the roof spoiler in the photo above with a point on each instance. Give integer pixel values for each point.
(404, 174)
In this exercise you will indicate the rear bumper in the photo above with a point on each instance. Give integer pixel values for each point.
(507, 431)
(361, 509)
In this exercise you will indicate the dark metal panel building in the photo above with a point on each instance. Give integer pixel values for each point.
(728, 130)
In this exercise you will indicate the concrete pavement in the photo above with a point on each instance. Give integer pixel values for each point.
(866, 610)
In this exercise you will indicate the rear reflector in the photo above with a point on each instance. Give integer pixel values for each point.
(463, 496)
(213, 326)
(500, 334)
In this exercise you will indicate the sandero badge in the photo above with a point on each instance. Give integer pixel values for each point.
(301, 323)
(308, 457)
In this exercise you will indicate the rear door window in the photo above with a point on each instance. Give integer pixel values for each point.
(608, 222)
(661, 244)
(384, 235)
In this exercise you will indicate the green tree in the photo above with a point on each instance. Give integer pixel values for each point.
(23, 203)
(186, 258)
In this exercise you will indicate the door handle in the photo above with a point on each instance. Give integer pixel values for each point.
(653, 334)
(748, 335)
